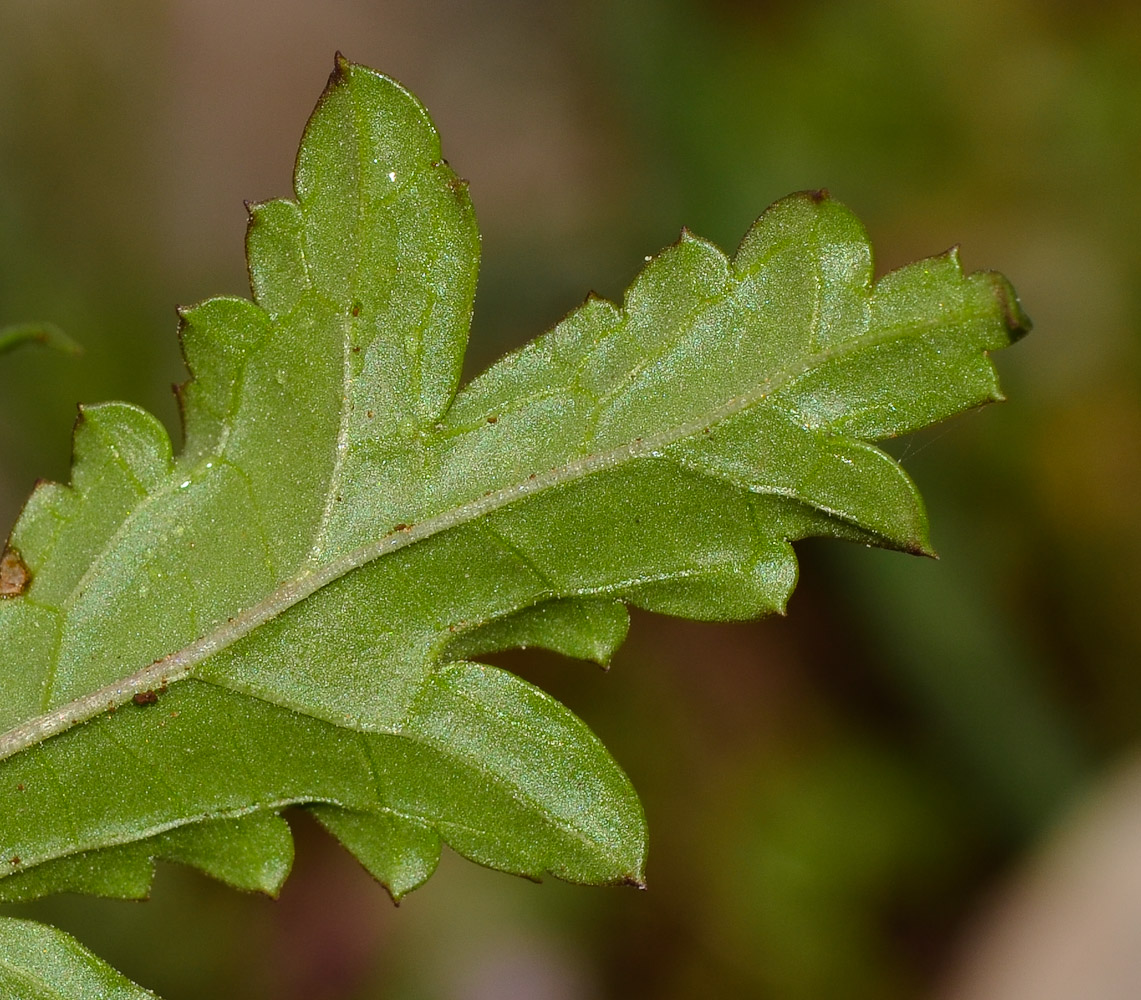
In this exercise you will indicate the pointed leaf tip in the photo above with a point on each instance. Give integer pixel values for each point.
(1017, 322)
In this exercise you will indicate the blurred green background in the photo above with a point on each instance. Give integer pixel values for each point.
(834, 798)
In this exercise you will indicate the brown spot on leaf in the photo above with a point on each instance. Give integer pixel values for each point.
(402, 527)
(20, 787)
(14, 574)
(145, 698)
(816, 197)
(15, 860)
(493, 420)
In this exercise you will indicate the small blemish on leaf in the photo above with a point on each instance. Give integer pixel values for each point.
(145, 698)
(493, 420)
(15, 860)
(356, 309)
(402, 527)
(14, 574)
(370, 414)
(20, 787)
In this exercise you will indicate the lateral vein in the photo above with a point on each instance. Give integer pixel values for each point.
(180, 665)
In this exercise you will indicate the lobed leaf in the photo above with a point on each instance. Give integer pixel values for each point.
(288, 611)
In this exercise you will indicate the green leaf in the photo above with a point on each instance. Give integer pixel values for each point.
(41, 963)
(288, 610)
(43, 333)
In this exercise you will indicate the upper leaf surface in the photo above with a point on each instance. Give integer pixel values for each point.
(341, 531)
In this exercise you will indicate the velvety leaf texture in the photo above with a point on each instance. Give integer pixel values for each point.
(42, 963)
(290, 610)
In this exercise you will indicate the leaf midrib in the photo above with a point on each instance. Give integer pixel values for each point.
(180, 665)
(347, 332)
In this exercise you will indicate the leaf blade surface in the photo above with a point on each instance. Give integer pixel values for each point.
(38, 962)
(342, 530)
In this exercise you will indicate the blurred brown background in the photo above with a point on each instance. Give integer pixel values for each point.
(914, 785)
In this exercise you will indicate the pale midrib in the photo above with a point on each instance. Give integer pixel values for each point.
(341, 452)
(180, 666)
(347, 336)
(320, 533)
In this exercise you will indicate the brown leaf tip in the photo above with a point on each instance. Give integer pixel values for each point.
(1017, 322)
(14, 573)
